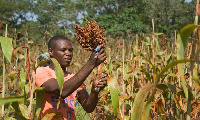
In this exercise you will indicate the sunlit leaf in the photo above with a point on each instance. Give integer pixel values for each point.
(110, 67)
(10, 118)
(139, 101)
(59, 76)
(157, 34)
(180, 55)
(23, 108)
(20, 56)
(12, 75)
(10, 99)
(185, 33)
(145, 114)
(49, 116)
(39, 99)
(30, 42)
(113, 88)
(6, 45)
(17, 49)
(196, 78)
(23, 80)
(126, 117)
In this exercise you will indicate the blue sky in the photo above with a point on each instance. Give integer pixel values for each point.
(188, 0)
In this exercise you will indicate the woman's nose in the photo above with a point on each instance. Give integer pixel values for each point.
(67, 52)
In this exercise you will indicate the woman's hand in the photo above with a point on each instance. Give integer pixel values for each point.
(97, 58)
(99, 83)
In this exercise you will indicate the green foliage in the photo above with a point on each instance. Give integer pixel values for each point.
(6, 45)
(10, 99)
(59, 76)
(23, 80)
(39, 100)
(141, 66)
(113, 88)
(14, 12)
(139, 100)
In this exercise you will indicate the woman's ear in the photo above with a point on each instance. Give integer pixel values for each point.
(50, 52)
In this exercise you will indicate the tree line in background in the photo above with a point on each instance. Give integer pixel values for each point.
(40, 19)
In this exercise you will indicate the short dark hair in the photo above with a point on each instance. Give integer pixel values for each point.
(55, 38)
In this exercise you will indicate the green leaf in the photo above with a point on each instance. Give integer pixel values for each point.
(162, 86)
(49, 116)
(139, 101)
(181, 43)
(17, 49)
(110, 67)
(39, 99)
(10, 99)
(186, 31)
(23, 108)
(15, 105)
(10, 118)
(157, 34)
(182, 38)
(148, 104)
(6, 45)
(59, 76)
(113, 88)
(126, 117)
(147, 75)
(196, 78)
(12, 75)
(23, 80)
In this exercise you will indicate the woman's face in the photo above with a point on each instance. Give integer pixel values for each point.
(62, 51)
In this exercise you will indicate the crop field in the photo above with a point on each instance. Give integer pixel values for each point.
(150, 77)
(152, 47)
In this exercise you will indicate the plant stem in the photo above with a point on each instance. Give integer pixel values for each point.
(3, 88)
(4, 72)
(123, 105)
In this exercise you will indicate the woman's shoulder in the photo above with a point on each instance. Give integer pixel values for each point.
(43, 69)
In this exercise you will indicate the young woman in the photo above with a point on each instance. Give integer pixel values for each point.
(60, 48)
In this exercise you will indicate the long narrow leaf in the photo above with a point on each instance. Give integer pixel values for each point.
(6, 45)
(148, 104)
(180, 55)
(59, 76)
(10, 99)
(23, 80)
(23, 108)
(186, 31)
(139, 101)
(196, 78)
(49, 116)
(39, 99)
(9, 118)
(112, 86)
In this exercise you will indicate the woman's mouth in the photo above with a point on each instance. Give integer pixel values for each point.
(68, 59)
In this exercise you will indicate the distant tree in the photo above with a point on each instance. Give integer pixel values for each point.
(15, 12)
(169, 15)
(122, 16)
